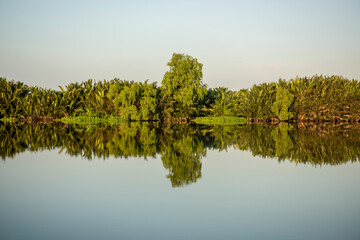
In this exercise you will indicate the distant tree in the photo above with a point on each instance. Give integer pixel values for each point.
(134, 101)
(282, 104)
(225, 103)
(182, 86)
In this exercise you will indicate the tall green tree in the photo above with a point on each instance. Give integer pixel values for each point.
(182, 86)
(282, 104)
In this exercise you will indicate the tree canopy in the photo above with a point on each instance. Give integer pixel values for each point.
(182, 85)
(183, 95)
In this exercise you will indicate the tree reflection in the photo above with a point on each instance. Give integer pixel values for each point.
(182, 147)
(309, 144)
(181, 154)
(282, 139)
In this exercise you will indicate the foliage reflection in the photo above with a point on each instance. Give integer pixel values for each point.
(182, 147)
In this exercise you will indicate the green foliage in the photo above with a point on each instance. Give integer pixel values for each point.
(220, 120)
(183, 95)
(317, 98)
(282, 104)
(128, 100)
(149, 102)
(225, 103)
(86, 120)
(11, 95)
(256, 102)
(325, 98)
(182, 86)
(135, 101)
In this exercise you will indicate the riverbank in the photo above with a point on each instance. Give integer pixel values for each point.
(89, 120)
(333, 120)
(219, 120)
(111, 120)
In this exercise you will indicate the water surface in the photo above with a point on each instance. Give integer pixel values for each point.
(141, 181)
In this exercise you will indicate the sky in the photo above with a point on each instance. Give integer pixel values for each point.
(240, 43)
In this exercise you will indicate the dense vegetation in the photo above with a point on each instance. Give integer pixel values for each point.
(182, 147)
(317, 98)
(183, 95)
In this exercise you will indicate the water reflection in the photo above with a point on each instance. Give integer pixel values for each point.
(182, 147)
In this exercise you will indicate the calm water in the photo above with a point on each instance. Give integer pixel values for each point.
(141, 181)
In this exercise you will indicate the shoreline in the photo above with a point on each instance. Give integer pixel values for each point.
(112, 120)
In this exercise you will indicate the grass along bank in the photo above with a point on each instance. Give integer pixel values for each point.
(220, 120)
(88, 120)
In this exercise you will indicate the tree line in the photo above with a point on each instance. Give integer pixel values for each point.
(183, 95)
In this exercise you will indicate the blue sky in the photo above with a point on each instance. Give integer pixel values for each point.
(240, 43)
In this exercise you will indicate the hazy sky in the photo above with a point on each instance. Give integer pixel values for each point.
(51, 43)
